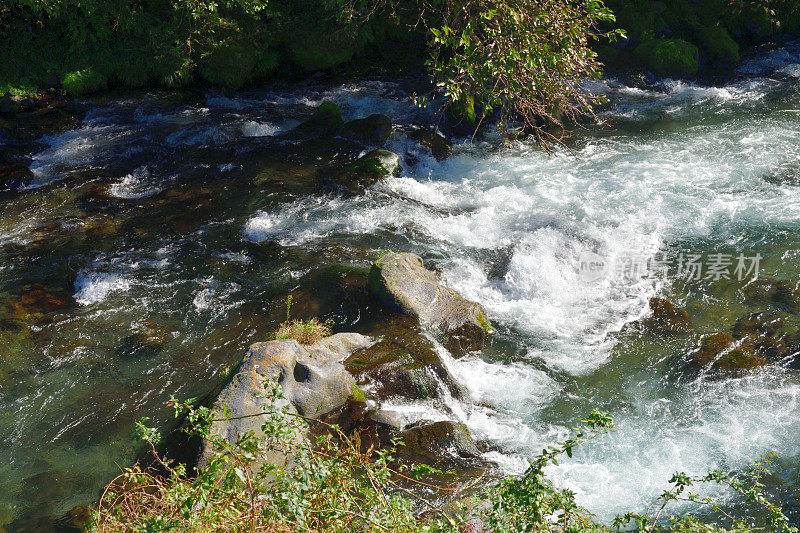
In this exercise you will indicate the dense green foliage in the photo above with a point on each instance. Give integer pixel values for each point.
(659, 32)
(170, 42)
(521, 60)
(338, 483)
(525, 58)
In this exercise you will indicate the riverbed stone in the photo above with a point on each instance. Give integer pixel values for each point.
(374, 129)
(404, 363)
(401, 281)
(780, 293)
(326, 120)
(667, 317)
(310, 388)
(722, 351)
(758, 324)
(437, 442)
(434, 140)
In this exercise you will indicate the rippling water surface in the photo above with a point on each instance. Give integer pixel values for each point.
(161, 235)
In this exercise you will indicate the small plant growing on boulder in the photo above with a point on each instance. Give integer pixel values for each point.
(303, 331)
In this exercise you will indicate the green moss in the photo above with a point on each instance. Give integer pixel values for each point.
(229, 65)
(312, 50)
(327, 119)
(718, 47)
(669, 57)
(462, 111)
(484, 323)
(357, 394)
(81, 82)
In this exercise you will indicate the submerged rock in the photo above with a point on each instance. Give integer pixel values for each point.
(310, 388)
(15, 173)
(401, 281)
(76, 519)
(724, 352)
(758, 324)
(777, 292)
(374, 129)
(667, 317)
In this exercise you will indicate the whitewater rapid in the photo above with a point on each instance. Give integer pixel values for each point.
(679, 164)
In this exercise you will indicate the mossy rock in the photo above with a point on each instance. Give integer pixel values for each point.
(437, 442)
(669, 57)
(363, 172)
(462, 115)
(228, 65)
(312, 50)
(326, 120)
(83, 82)
(404, 363)
(718, 47)
(722, 351)
(401, 282)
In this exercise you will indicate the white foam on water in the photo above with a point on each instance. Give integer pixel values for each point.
(94, 287)
(724, 424)
(134, 186)
(696, 172)
(252, 128)
(81, 147)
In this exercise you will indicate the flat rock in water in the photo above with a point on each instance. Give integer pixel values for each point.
(401, 281)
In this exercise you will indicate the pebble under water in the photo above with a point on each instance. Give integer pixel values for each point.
(162, 234)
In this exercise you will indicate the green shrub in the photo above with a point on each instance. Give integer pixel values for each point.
(315, 49)
(337, 484)
(82, 82)
(719, 48)
(669, 57)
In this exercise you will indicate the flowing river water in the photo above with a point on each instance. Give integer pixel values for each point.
(161, 235)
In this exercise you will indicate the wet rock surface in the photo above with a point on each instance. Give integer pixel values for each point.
(440, 443)
(374, 129)
(401, 281)
(434, 140)
(722, 351)
(403, 363)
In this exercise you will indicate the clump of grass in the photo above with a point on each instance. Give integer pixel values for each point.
(303, 331)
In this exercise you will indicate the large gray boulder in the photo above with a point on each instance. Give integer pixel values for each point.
(401, 281)
(313, 383)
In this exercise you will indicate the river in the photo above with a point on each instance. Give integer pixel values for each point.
(161, 235)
